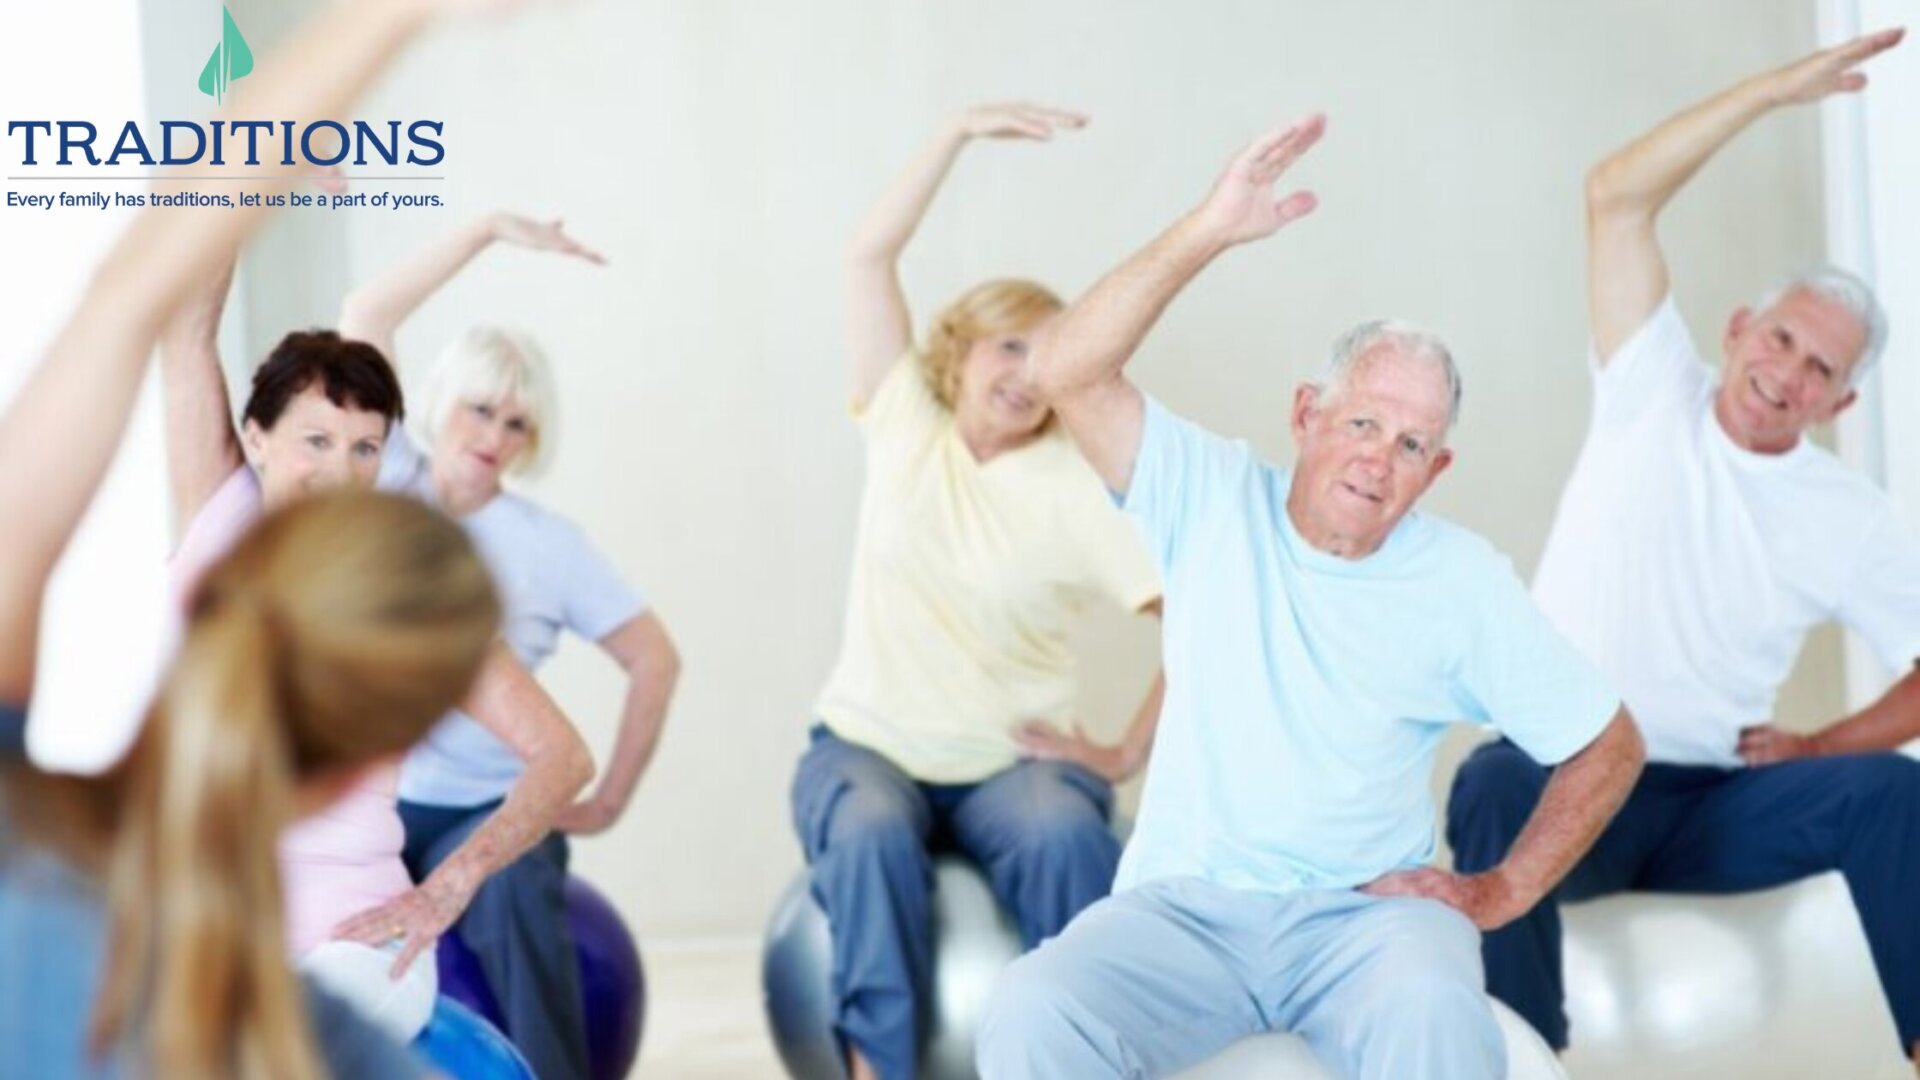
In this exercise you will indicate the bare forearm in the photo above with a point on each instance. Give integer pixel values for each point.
(1642, 176)
(1137, 745)
(510, 704)
(1585, 792)
(1096, 336)
(202, 449)
(642, 720)
(1887, 724)
(375, 311)
(891, 222)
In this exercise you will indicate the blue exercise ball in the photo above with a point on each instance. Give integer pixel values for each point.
(973, 941)
(459, 1043)
(613, 983)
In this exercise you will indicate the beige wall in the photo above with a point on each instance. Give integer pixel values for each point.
(720, 150)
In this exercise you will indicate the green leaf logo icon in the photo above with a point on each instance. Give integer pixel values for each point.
(231, 60)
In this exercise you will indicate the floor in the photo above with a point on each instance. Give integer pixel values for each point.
(704, 1020)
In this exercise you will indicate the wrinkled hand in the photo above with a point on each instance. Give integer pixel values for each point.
(588, 817)
(418, 917)
(1017, 120)
(1044, 742)
(1485, 899)
(542, 236)
(1829, 71)
(1764, 744)
(1241, 206)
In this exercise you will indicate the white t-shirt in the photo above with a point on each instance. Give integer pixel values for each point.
(551, 578)
(1690, 570)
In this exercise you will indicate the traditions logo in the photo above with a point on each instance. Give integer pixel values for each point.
(231, 59)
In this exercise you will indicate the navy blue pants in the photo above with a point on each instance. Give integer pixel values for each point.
(1696, 829)
(1039, 829)
(517, 929)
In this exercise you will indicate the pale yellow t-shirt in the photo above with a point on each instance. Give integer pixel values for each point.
(966, 580)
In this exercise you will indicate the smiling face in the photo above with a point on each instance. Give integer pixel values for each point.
(1369, 447)
(995, 394)
(1787, 368)
(481, 441)
(314, 446)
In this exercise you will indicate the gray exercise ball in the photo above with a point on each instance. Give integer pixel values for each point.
(973, 940)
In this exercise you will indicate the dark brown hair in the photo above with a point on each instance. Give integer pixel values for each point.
(353, 374)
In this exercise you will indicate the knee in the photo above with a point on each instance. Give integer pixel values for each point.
(868, 830)
(1887, 783)
(1030, 1006)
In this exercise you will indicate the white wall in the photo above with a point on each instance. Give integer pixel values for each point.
(720, 151)
(87, 692)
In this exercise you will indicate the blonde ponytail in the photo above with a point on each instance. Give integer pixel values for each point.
(331, 637)
(193, 891)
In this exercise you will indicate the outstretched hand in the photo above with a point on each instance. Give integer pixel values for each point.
(1241, 207)
(542, 236)
(1017, 120)
(1830, 71)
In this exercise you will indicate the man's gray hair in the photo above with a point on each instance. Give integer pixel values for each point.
(1408, 340)
(1849, 292)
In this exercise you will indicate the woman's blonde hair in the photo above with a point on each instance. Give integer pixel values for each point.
(332, 636)
(494, 365)
(1005, 306)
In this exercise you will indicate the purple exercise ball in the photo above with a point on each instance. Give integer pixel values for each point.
(612, 982)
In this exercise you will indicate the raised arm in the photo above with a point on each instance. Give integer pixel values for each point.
(878, 326)
(1582, 796)
(202, 448)
(1626, 270)
(644, 651)
(1078, 364)
(374, 312)
(509, 703)
(68, 417)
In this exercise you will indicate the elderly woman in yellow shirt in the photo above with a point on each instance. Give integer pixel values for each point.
(947, 719)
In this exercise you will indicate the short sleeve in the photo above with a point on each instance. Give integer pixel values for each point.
(1881, 599)
(353, 1046)
(403, 466)
(1181, 473)
(1656, 368)
(595, 600)
(213, 532)
(1523, 677)
(902, 405)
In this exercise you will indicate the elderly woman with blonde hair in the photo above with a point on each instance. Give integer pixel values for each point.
(486, 412)
(948, 718)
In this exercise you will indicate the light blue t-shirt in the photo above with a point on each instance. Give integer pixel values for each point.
(1306, 693)
(551, 578)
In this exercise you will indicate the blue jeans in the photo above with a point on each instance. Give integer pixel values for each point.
(1038, 829)
(1698, 829)
(1167, 974)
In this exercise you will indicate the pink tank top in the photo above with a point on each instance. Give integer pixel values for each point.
(345, 859)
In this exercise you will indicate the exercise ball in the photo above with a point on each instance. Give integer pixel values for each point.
(1286, 1057)
(1772, 985)
(460, 1044)
(973, 940)
(612, 982)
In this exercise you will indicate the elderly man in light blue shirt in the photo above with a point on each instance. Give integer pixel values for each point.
(1319, 638)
